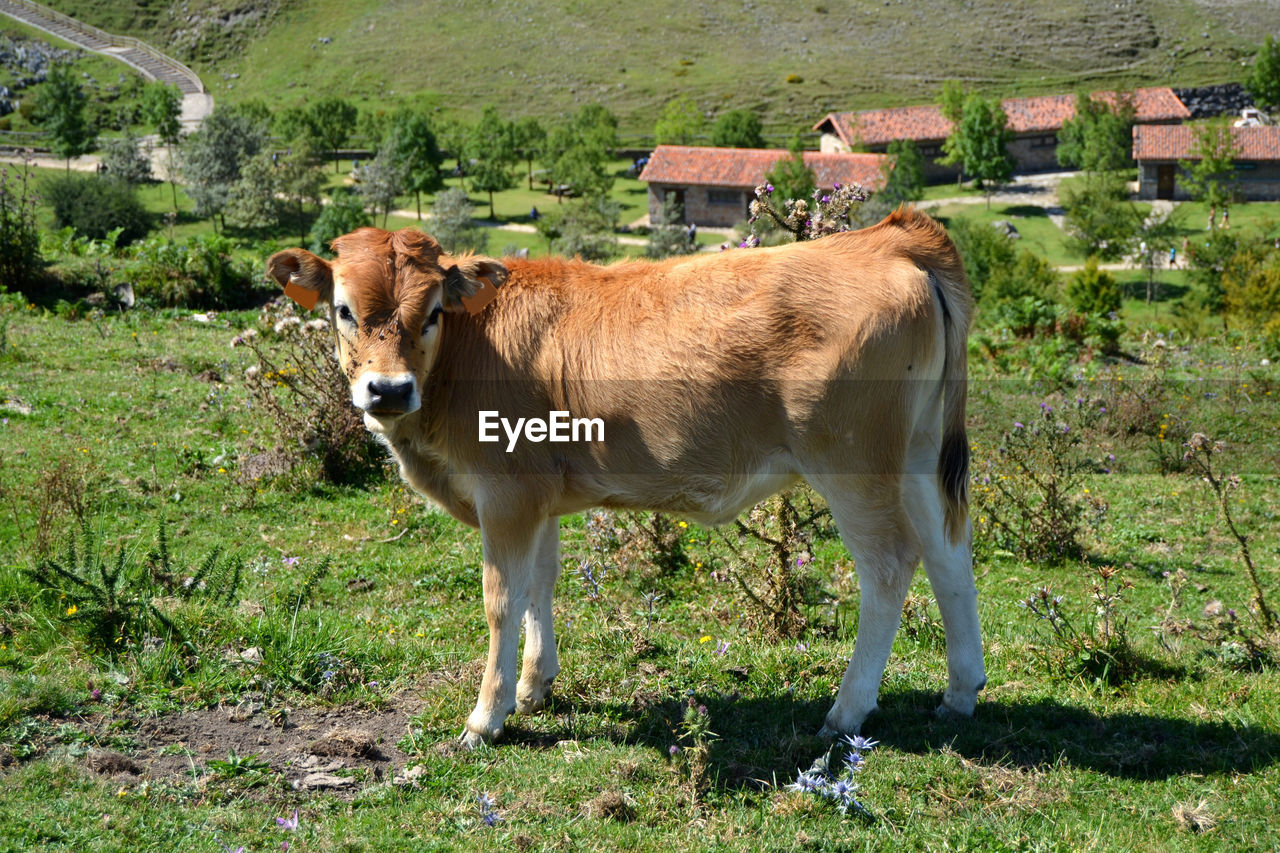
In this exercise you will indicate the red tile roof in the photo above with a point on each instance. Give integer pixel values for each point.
(745, 168)
(1041, 114)
(1174, 142)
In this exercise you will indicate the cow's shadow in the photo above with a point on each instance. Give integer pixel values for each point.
(768, 738)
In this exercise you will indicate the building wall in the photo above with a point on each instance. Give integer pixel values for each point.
(1036, 152)
(832, 144)
(717, 207)
(1254, 181)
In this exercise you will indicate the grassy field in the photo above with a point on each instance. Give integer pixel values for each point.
(790, 62)
(161, 743)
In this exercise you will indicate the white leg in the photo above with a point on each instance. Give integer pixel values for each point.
(886, 551)
(541, 663)
(510, 554)
(950, 570)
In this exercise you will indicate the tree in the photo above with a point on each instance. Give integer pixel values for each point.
(301, 182)
(738, 129)
(903, 173)
(252, 200)
(668, 236)
(791, 177)
(1099, 137)
(20, 260)
(1159, 231)
(293, 124)
(1093, 291)
(452, 225)
(343, 214)
(680, 123)
(381, 181)
(1263, 82)
(162, 107)
(60, 106)
(333, 120)
(123, 158)
(415, 154)
(583, 229)
(529, 136)
(212, 158)
(492, 150)
(1099, 218)
(979, 144)
(951, 100)
(1210, 173)
(576, 155)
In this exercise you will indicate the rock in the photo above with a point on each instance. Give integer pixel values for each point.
(1006, 227)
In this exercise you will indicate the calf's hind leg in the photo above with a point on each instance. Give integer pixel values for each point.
(884, 546)
(950, 569)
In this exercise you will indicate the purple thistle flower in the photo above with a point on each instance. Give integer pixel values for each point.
(854, 762)
(807, 783)
(288, 823)
(1018, 425)
(289, 561)
(673, 751)
(842, 791)
(858, 743)
(723, 648)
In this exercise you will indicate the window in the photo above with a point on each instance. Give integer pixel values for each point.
(724, 197)
(1044, 141)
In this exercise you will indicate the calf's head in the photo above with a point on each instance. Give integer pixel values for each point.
(387, 292)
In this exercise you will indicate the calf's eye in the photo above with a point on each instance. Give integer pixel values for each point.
(344, 313)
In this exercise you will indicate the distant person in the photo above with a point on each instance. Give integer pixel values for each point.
(533, 214)
(1173, 257)
(1226, 218)
(1213, 214)
(692, 233)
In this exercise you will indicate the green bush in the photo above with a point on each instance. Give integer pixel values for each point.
(95, 206)
(343, 214)
(1092, 291)
(201, 273)
(997, 268)
(20, 260)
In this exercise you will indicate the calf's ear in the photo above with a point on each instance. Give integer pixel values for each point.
(472, 283)
(306, 279)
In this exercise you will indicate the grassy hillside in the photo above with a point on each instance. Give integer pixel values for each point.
(791, 61)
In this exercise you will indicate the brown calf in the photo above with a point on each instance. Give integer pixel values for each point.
(718, 380)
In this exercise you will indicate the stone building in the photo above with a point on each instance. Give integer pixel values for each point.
(1160, 149)
(1035, 123)
(714, 186)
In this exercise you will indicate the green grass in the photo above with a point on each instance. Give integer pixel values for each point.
(546, 59)
(1048, 762)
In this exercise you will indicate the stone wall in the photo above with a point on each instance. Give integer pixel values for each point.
(1210, 101)
(1255, 181)
(717, 207)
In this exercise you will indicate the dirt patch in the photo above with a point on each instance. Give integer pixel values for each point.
(341, 748)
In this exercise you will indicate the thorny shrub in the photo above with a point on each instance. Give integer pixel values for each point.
(772, 564)
(1200, 453)
(1030, 496)
(300, 385)
(828, 213)
(1093, 642)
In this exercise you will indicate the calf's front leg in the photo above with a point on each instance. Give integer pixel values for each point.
(510, 556)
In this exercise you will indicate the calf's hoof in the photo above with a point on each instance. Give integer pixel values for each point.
(838, 724)
(530, 700)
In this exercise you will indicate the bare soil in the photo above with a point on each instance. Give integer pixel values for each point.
(342, 748)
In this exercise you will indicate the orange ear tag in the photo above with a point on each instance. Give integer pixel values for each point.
(301, 295)
(475, 302)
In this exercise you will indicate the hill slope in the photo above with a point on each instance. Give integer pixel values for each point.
(545, 57)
